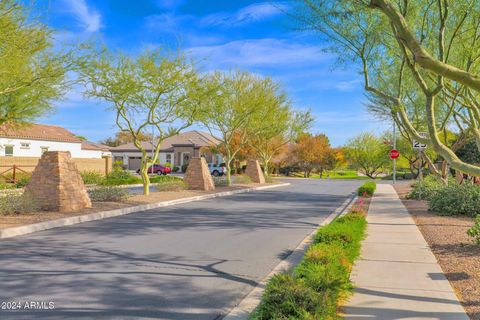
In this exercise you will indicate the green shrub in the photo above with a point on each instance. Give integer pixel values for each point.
(92, 177)
(427, 189)
(242, 179)
(173, 185)
(346, 231)
(456, 199)
(287, 297)
(269, 179)
(175, 169)
(220, 181)
(474, 231)
(15, 203)
(107, 193)
(20, 177)
(317, 284)
(184, 167)
(161, 179)
(120, 177)
(368, 188)
(4, 185)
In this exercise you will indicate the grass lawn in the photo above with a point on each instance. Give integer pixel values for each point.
(338, 175)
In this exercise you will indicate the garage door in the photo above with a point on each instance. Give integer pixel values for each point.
(134, 163)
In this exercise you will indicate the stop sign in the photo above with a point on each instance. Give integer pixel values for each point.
(394, 154)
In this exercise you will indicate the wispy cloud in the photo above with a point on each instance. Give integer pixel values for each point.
(248, 14)
(267, 52)
(89, 18)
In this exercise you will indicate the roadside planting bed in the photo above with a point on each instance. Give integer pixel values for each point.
(316, 287)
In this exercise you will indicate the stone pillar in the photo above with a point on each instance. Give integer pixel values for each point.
(254, 171)
(197, 176)
(56, 184)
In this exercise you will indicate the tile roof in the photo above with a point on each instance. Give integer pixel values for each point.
(38, 132)
(88, 145)
(194, 137)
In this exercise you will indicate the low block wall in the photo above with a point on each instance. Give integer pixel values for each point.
(28, 164)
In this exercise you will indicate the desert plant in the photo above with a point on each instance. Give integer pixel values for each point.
(120, 177)
(220, 181)
(368, 188)
(173, 185)
(242, 179)
(427, 188)
(92, 177)
(17, 203)
(456, 199)
(474, 231)
(162, 179)
(107, 193)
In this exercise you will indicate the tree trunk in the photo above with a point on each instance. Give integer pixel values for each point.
(228, 163)
(145, 178)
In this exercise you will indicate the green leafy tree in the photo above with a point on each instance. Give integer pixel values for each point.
(419, 60)
(368, 154)
(153, 91)
(231, 111)
(275, 125)
(32, 73)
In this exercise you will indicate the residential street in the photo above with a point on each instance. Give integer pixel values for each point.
(191, 261)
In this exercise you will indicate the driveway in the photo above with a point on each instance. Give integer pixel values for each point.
(191, 261)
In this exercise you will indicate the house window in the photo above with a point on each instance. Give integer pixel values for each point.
(9, 151)
(44, 149)
(24, 145)
(169, 158)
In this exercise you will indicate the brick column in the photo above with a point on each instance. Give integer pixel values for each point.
(56, 184)
(254, 171)
(198, 175)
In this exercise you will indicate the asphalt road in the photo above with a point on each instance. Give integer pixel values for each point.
(191, 261)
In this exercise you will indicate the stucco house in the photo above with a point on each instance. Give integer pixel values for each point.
(32, 140)
(176, 150)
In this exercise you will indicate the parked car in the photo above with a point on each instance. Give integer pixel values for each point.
(216, 170)
(158, 169)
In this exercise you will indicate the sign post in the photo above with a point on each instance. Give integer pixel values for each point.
(420, 147)
(395, 159)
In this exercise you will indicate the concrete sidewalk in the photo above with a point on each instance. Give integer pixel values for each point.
(397, 276)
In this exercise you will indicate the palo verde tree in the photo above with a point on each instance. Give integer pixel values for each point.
(154, 91)
(367, 153)
(275, 125)
(420, 61)
(32, 73)
(230, 111)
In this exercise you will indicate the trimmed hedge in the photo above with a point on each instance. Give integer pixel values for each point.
(321, 280)
(367, 188)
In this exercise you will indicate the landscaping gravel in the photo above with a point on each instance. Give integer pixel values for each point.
(455, 251)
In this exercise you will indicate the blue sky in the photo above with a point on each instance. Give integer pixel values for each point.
(251, 35)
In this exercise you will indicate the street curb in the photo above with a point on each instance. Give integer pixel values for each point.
(252, 300)
(19, 231)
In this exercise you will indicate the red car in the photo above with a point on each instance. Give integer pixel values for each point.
(158, 169)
